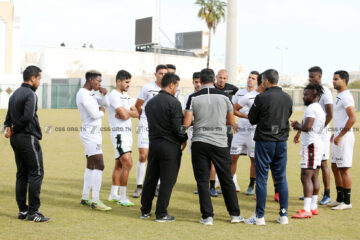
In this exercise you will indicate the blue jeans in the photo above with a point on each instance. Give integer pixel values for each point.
(273, 155)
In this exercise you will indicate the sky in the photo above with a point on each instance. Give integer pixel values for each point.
(288, 35)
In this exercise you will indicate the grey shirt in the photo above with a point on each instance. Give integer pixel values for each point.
(210, 107)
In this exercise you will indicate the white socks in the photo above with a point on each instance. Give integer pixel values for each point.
(314, 201)
(123, 193)
(307, 204)
(140, 172)
(114, 191)
(96, 184)
(87, 183)
(235, 178)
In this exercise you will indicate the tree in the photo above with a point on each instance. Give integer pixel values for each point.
(213, 12)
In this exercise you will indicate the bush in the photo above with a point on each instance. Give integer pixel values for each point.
(355, 85)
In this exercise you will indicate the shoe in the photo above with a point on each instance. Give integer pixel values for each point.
(37, 217)
(315, 211)
(255, 221)
(207, 221)
(236, 219)
(342, 206)
(100, 206)
(145, 215)
(213, 192)
(219, 191)
(283, 220)
(250, 191)
(276, 197)
(85, 202)
(325, 200)
(137, 192)
(302, 214)
(126, 203)
(333, 204)
(301, 198)
(196, 192)
(113, 198)
(22, 215)
(166, 218)
(237, 188)
(157, 190)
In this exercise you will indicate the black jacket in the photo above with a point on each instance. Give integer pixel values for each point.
(22, 112)
(165, 117)
(271, 112)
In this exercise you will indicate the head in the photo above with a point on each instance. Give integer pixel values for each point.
(315, 74)
(170, 83)
(221, 78)
(171, 68)
(123, 79)
(270, 78)
(260, 87)
(312, 93)
(207, 76)
(196, 81)
(340, 80)
(32, 76)
(161, 70)
(252, 79)
(93, 78)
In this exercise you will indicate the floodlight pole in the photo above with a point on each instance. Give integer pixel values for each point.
(231, 41)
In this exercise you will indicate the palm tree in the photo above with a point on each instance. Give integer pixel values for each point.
(213, 11)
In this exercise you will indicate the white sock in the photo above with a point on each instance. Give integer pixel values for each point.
(96, 184)
(307, 204)
(123, 193)
(87, 183)
(235, 178)
(216, 178)
(140, 172)
(158, 182)
(314, 201)
(114, 191)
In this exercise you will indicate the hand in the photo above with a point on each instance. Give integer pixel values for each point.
(332, 138)
(337, 140)
(183, 146)
(117, 116)
(296, 138)
(133, 108)
(294, 124)
(235, 128)
(103, 91)
(8, 132)
(102, 109)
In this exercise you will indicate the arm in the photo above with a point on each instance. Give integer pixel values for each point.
(103, 100)
(29, 112)
(305, 127)
(138, 105)
(8, 121)
(329, 113)
(350, 111)
(230, 119)
(125, 114)
(188, 118)
(254, 112)
(237, 112)
(93, 110)
(176, 123)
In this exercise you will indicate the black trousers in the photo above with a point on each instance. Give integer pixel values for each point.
(30, 171)
(164, 163)
(202, 155)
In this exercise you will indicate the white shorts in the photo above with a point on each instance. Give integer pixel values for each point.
(122, 144)
(325, 137)
(143, 134)
(243, 144)
(342, 154)
(92, 142)
(190, 133)
(311, 155)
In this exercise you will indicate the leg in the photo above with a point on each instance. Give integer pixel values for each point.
(234, 159)
(338, 183)
(98, 165)
(117, 173)
(308, 188)
(347, 183)
(126, 162)
(325, 176)
(141, 166)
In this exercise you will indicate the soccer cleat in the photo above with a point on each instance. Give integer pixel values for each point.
(255, 221)
(22, 215)
(213, 192)
(126, 203)
(37, 217)
(334, 204)
(166, 218)
(196, 192)
(236, 219)
(145, 215)
(100, 206)
(207, 221)
(315, 211)
(250, 191)
(302, 214)
(276, 197)
(157, 190)
(237, 188)
(283, 220)
(85, 202)
(325, 200)
(301, 198)
(137, 193)
(342, 206)
(113, 198)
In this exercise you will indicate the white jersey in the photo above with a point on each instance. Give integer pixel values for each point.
(240, 97)
(247, 101)
(326, 98)
(315, 111)
(119, 126)
(186, 99)
(88, 104)
(147, 92)
(343, 101)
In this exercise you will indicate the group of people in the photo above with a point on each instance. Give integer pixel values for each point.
(205, 122)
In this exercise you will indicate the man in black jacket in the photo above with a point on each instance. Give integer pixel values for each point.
(271, 112)
(23, 128)
(167, 139)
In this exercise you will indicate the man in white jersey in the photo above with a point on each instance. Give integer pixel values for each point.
(343, 141)
(120, 114)
(147, 92)
(311, 130)
(243, 143)
(91, 109)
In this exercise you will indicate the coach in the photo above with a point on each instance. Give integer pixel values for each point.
(271, 112)
(23, 128)
(167, 139)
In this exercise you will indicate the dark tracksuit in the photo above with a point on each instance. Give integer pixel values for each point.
(165, 116)
(22, 117)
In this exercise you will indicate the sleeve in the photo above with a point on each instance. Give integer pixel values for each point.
(235, 97)
(188, 106)
(309, 112)
(253, 115)
(8, 121)
(103, 100)
(242, 101)
(142, 94)
(185, 101)
(115, 102)
(91, 109)
(348, 101)
(328, 99)
(177, 118)
(29, 112)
